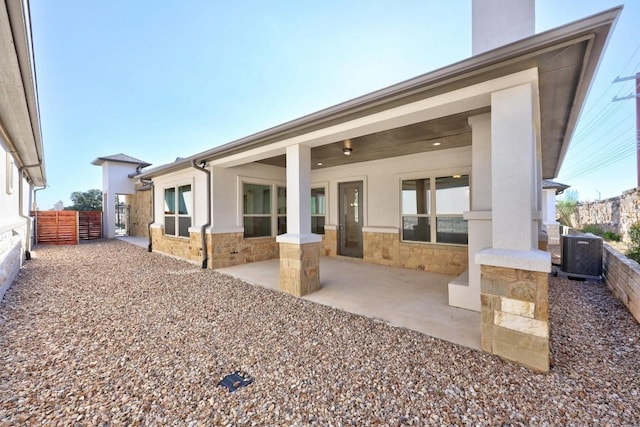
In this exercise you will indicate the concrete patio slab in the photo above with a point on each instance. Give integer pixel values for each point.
(405, 298)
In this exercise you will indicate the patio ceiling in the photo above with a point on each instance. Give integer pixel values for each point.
(442, 133)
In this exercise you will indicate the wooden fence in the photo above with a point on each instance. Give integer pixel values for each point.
(67, 227)
(89, 225)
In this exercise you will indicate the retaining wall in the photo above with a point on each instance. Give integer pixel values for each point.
(622, 276)
(616, 214)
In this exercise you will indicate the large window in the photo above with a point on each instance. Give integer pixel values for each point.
(178, 205)
(432, 209)
(318, 210)
(257, 210)
(262, 212)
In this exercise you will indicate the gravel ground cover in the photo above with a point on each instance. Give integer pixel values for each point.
(106, 333)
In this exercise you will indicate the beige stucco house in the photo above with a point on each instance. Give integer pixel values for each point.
(22, 163)
(441, 173)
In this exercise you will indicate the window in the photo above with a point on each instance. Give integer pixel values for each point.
(257, 210)
(318, 203)
(282, 210)
(181, 198)
(432, 209)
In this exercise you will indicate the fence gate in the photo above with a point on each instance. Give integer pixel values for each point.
(59, 227)
(89, 225)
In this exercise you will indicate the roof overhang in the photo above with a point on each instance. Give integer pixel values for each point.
(566, 60)
(19, 114)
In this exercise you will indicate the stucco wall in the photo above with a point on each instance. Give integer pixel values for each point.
(622, 276)
(12, 226)
(10, 258)
(616, 214)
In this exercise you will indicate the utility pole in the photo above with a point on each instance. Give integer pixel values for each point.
(637, 97)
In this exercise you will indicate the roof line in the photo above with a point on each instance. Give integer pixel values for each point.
(423, 82)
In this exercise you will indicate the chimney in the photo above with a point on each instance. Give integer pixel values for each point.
(496, 23)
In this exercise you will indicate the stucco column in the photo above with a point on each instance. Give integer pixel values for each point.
(467, 295)
(299, 248)
(514, 273)
(108, 213)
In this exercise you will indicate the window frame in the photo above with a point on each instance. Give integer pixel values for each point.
(176, 215)
(324, 188)
(432, 214)
(275, 215)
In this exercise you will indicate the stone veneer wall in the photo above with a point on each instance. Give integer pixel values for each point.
(188, 249)
(224, 250)
(227, 249)
(515, 316)
(139, 213)
(330, 243)
(622, 276)
(387, 249)
(616, 214)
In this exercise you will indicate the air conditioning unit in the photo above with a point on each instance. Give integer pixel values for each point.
(582, 255)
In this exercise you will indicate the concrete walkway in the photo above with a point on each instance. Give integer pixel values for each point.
(410, 299)
(143, 242)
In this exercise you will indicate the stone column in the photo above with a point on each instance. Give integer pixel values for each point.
(514, 273)
(299, 248)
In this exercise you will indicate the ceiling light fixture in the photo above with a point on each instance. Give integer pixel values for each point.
(347, 149)
(457, 176)
(437, 143)
(319, 163)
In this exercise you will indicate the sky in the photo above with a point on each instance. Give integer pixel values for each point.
(163, 79)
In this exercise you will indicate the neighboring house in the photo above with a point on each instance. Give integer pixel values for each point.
(550, 189)
(441, 173)
(22, 164)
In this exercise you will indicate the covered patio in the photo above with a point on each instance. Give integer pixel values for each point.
(415, 300)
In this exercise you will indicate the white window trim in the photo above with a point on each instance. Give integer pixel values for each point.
(433, 215)
(176, 215)
(325, 186)
(274, 184)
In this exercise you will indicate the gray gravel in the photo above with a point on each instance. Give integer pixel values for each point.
(107, 334)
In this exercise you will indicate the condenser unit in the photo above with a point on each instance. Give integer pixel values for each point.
(582, 255)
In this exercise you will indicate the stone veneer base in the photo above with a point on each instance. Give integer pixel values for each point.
(299, 268)
(387, 249)
(515, 316)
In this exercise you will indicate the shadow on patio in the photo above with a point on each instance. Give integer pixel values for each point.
(406, 298)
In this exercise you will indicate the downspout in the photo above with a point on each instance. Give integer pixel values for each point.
(35, 203)
(203, 228)
(153, 211)
(27, 250)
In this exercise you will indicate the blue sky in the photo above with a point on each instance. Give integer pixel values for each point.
(163, 79)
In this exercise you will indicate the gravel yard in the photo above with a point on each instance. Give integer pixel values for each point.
(106, 333)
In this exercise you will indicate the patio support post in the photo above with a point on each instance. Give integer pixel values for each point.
(514, 273)
(467, 295)
(299, 248)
